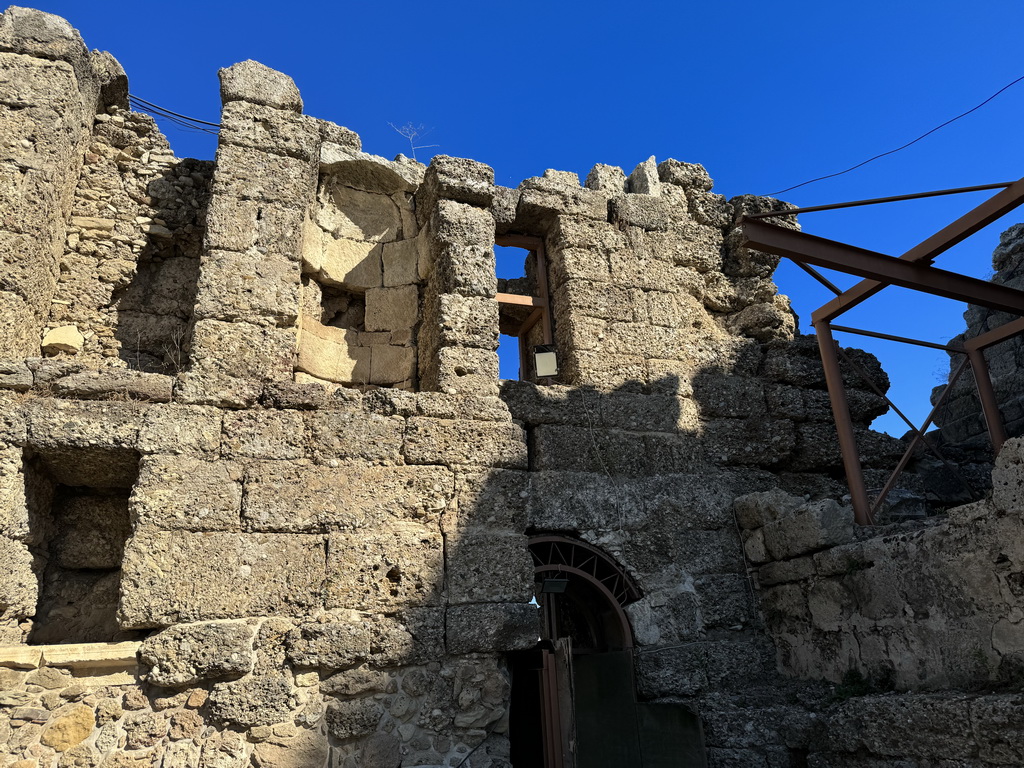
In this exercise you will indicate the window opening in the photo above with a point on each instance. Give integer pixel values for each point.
(524, 311)
(77, 536)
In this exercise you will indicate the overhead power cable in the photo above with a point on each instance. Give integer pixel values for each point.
(909, 143)
(183, 121)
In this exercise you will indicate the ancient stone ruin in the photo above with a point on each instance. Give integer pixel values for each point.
(264, 500)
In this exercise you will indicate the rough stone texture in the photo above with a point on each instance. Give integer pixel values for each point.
(274, 433)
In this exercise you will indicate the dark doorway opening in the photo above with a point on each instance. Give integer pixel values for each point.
(574, 699)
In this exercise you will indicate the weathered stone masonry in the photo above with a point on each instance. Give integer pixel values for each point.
(265, 501)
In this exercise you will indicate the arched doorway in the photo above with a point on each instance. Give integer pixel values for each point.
(573, 696)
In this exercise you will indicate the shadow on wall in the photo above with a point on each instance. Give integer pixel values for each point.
(155, 309)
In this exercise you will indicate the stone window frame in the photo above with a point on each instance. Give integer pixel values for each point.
(541, 302)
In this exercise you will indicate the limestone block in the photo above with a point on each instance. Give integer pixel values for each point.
(262, 289)
(250, 174)
(264, 434)
(458, 179)
(21, 337)
(753, 441)
(609, 179)
(458, 224)
(339, 135)
(686, 175)
(66, 338)
(544, 199)
(173, 577)
(648, 213)
(68, 424)
(485, 566)
(389, 309)
(819, 525)
(354, 435)
(492, 627)
(274, 229)
(43, 35)
(400, 262)
(354, 264)
(596, 299)
(604, 371)
(441, 405)
(257, 83)
(356, 214)
(755, 510)
(766, 321)
(189, 494)
(413, 636)
(463, 370)
(282, 496)
(357, 717)
(136, 385)
(466, 321)
(242, 351)
(729, 396)
(189, 654)
(644, 178)
(270, 130)
(494, 498)
(180, 429)
(1008, 477)
(392, 365)
(465, 269)
(329, 646)
(252, 701)
(18, 588)
(461, 441)
(332, 354)
(399, 566)
(586, 449)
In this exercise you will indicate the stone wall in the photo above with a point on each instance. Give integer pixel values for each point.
(267, 441)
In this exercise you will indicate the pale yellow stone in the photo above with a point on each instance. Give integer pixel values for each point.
(66, 338)
(69, 729)
(20, 657)
(312, 246)
(389, 309)
(392, 365)
(351, 263)
(332, 354)
(91, 655)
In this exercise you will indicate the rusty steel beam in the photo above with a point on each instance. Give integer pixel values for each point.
(844, 424)
(996, 335)
(877, 200)
(904, 339)
(819, 277)
(995, 207)
(987, 396)
(881, 269)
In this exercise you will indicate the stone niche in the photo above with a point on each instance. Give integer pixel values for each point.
(78, 525)
(360, 286)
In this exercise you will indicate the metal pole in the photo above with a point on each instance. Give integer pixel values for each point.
(987, 395)
(844, 424)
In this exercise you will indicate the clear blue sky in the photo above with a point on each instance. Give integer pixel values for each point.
(765, 95)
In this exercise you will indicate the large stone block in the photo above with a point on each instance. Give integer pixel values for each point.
(18, 588)
(461, 370)
(285, 496)
(465, 321)
(253, 701)
(250, 174)
(242, 351)
(185, 493)
(460, 441)
(329, 645)
(819, 525)
(174, 577)
(190, 654)
(180, 429)
(14, 519)
(354, 435)
(257, 83)
(264, 434)
(400, 566)
(353, 264)
(391, 365)
(485, 566)
(492, 628)
(240, 225)
(258, 288)
(332, 354)
(269, 129)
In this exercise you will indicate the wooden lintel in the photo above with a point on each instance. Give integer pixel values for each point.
(523, 301)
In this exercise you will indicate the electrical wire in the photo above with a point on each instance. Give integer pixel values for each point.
(909, 143)
(182, 121)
